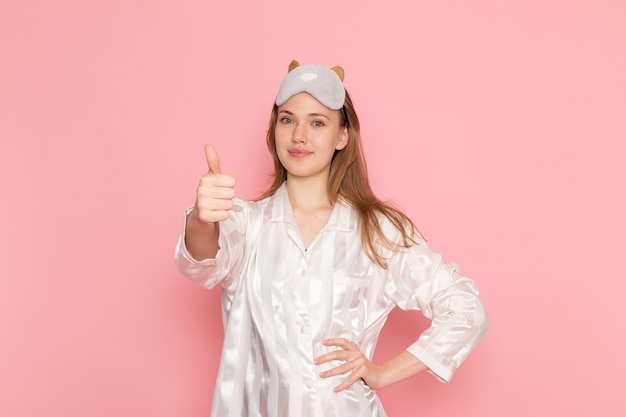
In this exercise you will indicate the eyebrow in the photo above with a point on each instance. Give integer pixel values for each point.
(309, 114)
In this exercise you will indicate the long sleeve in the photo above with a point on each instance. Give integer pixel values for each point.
(419, 280)
(211, 272)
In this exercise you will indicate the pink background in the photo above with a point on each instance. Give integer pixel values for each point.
(498, 126)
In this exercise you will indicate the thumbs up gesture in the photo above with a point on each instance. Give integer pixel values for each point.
(215, 192)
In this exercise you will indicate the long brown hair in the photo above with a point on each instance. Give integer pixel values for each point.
(348, 179)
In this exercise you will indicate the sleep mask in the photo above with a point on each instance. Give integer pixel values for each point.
(324, 84)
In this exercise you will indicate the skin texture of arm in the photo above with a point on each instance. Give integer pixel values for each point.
(201, 237)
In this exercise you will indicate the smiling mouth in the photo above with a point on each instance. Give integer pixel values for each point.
(298, 153)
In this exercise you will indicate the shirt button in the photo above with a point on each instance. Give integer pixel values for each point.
(303, 272)
(309, 384)
(305, 329)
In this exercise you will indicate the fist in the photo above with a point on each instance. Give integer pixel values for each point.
(215, 192)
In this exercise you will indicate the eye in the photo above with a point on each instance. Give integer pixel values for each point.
(318, 123)
(285, 120)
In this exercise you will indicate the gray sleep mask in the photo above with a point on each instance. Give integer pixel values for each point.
(324, 84)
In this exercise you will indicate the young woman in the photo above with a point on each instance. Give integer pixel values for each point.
(310, 271)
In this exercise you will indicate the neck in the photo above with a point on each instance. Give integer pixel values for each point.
(308, 193)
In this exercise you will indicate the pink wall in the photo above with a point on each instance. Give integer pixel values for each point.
(498, 126)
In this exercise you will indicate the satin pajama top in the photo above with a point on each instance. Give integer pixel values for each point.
(280, 300)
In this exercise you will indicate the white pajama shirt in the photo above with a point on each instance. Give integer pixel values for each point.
(280, 300)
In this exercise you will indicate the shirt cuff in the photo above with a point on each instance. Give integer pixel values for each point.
(434, 366)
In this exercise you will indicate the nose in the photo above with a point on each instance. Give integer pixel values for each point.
(299, 134)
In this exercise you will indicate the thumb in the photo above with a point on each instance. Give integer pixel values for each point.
(212, 159)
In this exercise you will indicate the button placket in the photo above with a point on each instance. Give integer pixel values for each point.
(309, 377)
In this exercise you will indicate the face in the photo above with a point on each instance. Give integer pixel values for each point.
(307, 135)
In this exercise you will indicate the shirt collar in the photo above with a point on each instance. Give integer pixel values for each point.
(342, 218)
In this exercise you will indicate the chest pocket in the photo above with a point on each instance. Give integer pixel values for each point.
(350, 303)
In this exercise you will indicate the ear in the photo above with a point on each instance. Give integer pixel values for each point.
(338, 71)
(293, 64)
(343, 138)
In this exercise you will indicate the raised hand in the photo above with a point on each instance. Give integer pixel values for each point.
(215, 192)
